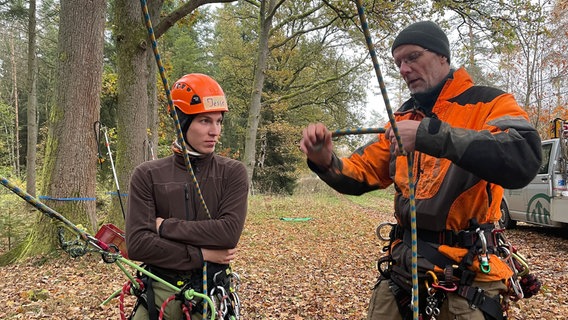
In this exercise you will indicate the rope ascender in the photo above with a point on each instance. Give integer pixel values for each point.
(409, 157)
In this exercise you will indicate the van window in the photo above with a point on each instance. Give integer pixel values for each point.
(546, 149)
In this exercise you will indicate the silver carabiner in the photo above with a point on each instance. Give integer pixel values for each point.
(481, 235)
(220, 299)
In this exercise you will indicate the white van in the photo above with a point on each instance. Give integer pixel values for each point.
(544, 201)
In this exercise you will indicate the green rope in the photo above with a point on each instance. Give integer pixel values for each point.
(411, 186)
(173, 114)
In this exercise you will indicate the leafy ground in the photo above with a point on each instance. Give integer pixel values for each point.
(323, 268)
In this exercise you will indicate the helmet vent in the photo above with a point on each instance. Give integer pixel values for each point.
(195, 99)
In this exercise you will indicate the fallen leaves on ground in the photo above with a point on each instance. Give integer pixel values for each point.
(318, 268)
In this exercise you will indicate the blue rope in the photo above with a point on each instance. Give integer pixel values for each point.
(66, 199)
(411, 186)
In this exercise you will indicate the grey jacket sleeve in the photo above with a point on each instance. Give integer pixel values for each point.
(510, 157)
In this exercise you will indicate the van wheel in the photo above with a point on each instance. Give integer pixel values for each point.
(505, 221)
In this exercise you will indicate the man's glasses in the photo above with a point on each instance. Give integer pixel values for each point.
(411, 58)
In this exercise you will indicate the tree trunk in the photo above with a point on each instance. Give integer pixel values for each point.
(153, 108)
(31, 154)
(131, 44)
(265, 24)
(71, 152)
(16, 107)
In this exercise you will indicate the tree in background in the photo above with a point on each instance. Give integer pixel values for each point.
(300, 71)
(71, 152)
(31, 150)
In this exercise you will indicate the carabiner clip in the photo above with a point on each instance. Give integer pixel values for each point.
(446, 286)
(483, 256)
(380, 228)
(484, 263)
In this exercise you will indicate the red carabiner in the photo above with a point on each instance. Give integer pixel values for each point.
(445, 285)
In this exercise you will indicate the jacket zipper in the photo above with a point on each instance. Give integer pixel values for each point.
(186, 202)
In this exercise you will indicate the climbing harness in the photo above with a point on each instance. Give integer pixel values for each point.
(481, 241)
(224, 297)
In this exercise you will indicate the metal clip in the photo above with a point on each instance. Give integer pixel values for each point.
(483, 256)
(380, 228)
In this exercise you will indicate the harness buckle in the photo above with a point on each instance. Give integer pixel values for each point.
(478, 298)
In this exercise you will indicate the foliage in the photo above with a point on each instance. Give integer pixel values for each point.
(14, 219)
(309, 77)
(277, 155)
(6, 134)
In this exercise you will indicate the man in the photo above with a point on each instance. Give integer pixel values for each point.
(467, 143)
(167, 226)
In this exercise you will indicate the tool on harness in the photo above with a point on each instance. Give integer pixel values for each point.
(223, 295)
(226, 301)
(479, 239)
(433, 302)
(522, 284)
(483, 256)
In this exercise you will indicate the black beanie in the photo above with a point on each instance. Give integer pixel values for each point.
(426, 34)
(184, 120)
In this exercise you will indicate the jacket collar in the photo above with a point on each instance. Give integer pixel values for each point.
(196, 159)
(455, 83)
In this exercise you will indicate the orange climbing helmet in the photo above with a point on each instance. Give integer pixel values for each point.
(198, 93)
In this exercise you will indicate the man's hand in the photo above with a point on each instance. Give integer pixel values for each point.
(407, 132)
(223, 256)
(317, 145)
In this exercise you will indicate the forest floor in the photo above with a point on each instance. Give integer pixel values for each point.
(322, 268)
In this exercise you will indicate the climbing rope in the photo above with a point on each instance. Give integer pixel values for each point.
(173, 114)
(411, 186)
(344, 132)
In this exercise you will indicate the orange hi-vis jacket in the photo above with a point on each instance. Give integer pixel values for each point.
(473, 142)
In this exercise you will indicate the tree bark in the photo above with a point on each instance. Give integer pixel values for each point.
(31, 153)
(132, 45)
(71, 152)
